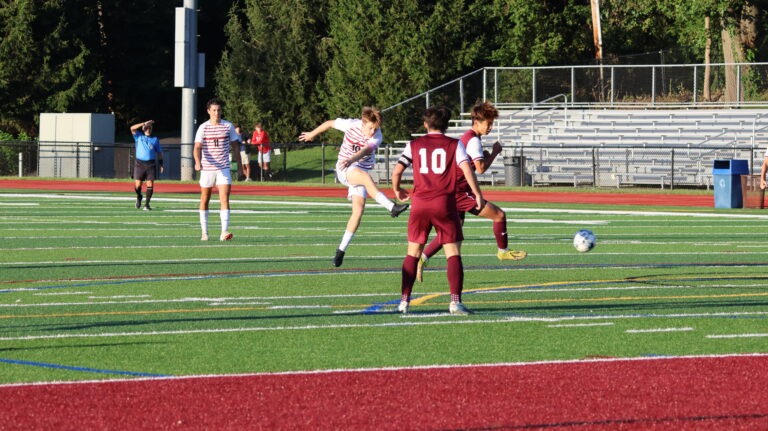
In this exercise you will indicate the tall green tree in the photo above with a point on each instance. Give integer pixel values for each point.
(46, 61)
(269, 69)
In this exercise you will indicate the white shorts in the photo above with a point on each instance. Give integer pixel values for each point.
(341, 174)
(244, 157)
(209, 179)
(265, 157)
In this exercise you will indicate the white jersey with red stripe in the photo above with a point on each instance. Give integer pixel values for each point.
(354, 141)
(215, 140)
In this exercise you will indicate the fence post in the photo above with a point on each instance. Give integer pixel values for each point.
(695, 89)
(485, 82)
(495, 86)
(594, 167)
(322, 163)
(461, 96)
(285, 163)
(738, 83)
(653, 85)
(613, 75)
(21, 163)
(573, 85)
(533, 85)
(672, 171)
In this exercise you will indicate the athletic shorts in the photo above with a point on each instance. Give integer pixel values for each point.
(265, 157)
(341, 175)
(144, 170)
(209, 179)
(244, 157)
(466, 202)
(440, 213)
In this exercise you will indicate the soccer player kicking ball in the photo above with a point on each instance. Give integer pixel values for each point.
(483, 115)
(433, 202)
(211, 153)
(357, 156)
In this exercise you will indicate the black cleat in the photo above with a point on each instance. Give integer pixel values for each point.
(339, 258)
(397, 209)
(147, 207)
(138, 201)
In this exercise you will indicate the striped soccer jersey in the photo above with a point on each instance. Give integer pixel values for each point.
(354, 141)
(215, 149)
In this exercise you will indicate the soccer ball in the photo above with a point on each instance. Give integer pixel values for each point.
(584, 240)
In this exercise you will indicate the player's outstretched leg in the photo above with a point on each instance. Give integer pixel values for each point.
(491, 211)
(408, 278)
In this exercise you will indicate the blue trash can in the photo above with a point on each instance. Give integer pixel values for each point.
(727, 177)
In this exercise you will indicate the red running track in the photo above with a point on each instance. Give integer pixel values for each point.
(265, 190)
(669, 393)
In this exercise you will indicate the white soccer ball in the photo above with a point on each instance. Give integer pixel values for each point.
(584, 240)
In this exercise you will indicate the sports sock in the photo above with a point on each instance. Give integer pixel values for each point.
(204, 221)
(224, 216)
(149, 193)
(408, 276)
(455, 277)
(500, 232)
(138, 191)
(345, 240)
(432, 248)
(384, 201)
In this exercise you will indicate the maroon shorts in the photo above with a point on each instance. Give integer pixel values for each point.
(440, 213)
(466, 202)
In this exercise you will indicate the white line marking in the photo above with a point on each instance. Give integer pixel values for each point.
(574, 325)
(643, 331)
(395, 369)
(119, 296)
(61, 293)
(503, 319)
(737, 336)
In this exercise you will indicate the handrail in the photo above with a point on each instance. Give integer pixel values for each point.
(532, 118)
(752, 140)
(426, 93)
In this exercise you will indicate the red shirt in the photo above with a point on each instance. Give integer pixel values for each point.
(261, 139)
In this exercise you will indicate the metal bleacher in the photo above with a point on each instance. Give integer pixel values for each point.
(618, 147)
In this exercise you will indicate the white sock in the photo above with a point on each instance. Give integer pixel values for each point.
(384, 201)
(345, 240)
(204, 221)
(224, 216)
(503, 250)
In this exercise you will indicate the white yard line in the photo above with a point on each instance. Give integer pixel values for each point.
(396, 369)
(644, 331)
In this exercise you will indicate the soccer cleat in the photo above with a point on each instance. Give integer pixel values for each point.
(511, 255)
(458, 309)
(403, 307)
(138, 201)
(204, 237)
(397, 209)
(225, 236)
(339, 258)
(420, 268)
(147, 207)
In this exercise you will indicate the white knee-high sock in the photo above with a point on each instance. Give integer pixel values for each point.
(224, 216)
(345, 240)
(204, 221)
(384, 201)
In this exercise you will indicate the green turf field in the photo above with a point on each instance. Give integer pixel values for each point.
(91, 288)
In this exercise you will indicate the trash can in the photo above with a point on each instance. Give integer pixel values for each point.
(727, 179)
(514, 169)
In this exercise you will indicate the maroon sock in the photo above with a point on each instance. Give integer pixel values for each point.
(409, 276)
(432, 248)
(500, 232)
(455, 276)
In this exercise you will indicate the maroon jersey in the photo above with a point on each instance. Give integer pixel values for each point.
(462, 186)
(434, 158)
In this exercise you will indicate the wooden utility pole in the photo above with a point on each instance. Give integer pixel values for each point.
(597, 31)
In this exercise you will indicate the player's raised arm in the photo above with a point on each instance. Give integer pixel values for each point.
(309, 136)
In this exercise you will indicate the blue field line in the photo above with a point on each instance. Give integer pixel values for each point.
(85, 369)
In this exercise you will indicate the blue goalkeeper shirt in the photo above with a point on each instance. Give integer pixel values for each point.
(147, 147)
